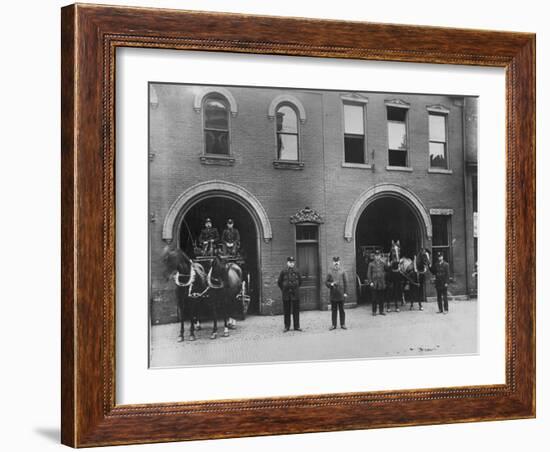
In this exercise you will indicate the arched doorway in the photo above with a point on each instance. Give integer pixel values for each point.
(385, 219)
(219, 209)
(221, 200)
(386, 212)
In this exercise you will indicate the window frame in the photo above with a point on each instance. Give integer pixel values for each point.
(363, 105)
(220, 97)
(298, 134)
(406, 107)
(449, 220)
(444, 115)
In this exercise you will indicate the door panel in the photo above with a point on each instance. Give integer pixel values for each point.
(308, 264)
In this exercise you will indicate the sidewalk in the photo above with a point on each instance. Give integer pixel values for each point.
(261, 339)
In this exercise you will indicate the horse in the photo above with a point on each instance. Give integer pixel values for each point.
(190, 279)
(224, 281)
(414, 272)
(394, 277)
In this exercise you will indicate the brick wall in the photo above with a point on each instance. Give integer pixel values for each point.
(176, 145)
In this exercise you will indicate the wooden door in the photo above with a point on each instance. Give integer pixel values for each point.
(307, 260)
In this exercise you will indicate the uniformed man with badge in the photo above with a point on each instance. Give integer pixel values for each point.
(337, 283)
(208, 238)
(376, 277)
(231, 239)
(289, 282)
(441, 271)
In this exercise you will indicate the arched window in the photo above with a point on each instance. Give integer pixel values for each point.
(216, 124)
(287, 133)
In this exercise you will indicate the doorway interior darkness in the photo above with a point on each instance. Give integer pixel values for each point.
(219, 209)
(383, 220)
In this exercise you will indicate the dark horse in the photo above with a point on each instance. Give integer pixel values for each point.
(407, 277)
(191, 287)
(414, 273)
(224, 282)
(394, 277)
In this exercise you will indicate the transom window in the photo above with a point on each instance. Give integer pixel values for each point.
(398, 145)
(287, 133)
(216, 125)
(354, 133)
(438, 141)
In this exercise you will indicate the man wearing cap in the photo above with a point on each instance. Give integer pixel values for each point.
(337, 283)
(441, 271)
(208, 238)
(376, 276)
(289, 282)
(231, 239)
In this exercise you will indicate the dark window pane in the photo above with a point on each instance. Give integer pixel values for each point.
(306, 232)
(287, 120)
(354, 122)
(354, 149)
(437, 128)
(215, 114)
(474, 192)
(397, 114)
(397, 158)
(438, 155)
(217, 142)
(440, 234)
(287, 146)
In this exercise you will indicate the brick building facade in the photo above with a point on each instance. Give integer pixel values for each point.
(313, 174)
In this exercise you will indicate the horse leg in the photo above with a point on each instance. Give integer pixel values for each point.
(180, 316)
(214, 334)
(193, 306)
(225, 318)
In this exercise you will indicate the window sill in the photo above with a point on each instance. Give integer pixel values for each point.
(288, 164)
(439, 171)
(221, 160)
(406, 169)
(356, 165)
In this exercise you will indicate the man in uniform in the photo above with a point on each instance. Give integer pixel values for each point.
(208, 238)
(231, 239)
(376, 276)
(337, 283)
(289, 282)
(441, 271)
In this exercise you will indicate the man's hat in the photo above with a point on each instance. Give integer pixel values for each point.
(336, 259)
(377, 252)
(290, 259)
(229, 221)
(208, 220)
(439, 254)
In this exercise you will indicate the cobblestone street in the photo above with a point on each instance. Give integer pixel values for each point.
(261, 339)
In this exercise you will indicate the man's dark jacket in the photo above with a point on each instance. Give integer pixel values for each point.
(289, 282)
(441, 272)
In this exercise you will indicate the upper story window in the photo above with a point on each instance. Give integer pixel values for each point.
(398, 145)
(438, 141)
(354, 133)
(216, 124)
(287, 133)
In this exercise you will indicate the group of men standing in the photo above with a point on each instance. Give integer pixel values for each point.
(290, 280)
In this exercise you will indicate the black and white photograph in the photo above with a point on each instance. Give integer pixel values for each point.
(294, 224)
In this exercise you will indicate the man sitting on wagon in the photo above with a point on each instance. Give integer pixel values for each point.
(208, 238)
(231, 239)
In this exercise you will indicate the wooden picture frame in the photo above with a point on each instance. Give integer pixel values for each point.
(90, 35)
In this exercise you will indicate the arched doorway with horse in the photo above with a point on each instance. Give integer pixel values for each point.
(214, 283)
(392, 221)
